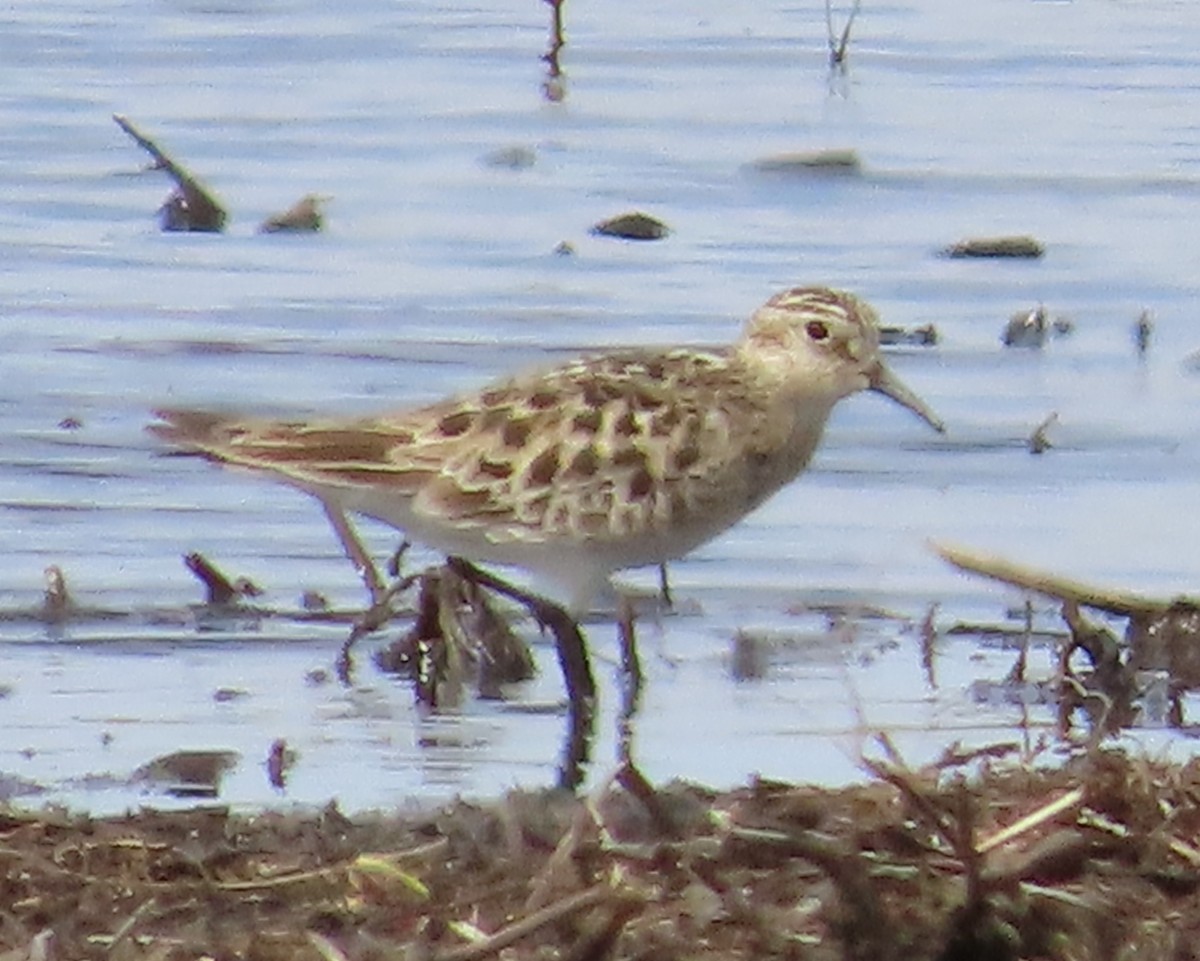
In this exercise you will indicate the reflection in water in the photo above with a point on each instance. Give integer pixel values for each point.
(554, 88)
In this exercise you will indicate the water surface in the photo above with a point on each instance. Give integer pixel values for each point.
(1072, 122)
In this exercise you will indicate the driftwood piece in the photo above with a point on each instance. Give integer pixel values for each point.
(635, 225)
(304, 216)
(191, 207)
(218, 588)
(833, 161)
(1016, 246)
(1124, 603)
(924, 336)
(1039, 440)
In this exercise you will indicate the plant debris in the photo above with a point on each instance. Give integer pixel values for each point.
(1039, 440)
(304, 216)
(458, 637)
(1016, 246)
(1015, 862)
(924, 336)
(1159, 658)
(1032, 328)
(191, 206)
(838, 49)
(837, 162)
(219, 590)
(1143, 329)
(632, 226)
(187, 773)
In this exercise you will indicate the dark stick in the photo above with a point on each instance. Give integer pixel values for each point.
(218, 588)
(200, 210)
(372, 619)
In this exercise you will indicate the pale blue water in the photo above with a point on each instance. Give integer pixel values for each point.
(1074, 122)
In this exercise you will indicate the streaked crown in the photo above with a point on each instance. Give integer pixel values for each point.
(820, 341)
(814, 326)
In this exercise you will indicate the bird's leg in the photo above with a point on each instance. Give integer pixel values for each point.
(357, 553)
(572, 658)
(664, 586)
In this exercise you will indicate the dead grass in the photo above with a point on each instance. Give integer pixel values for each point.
(1097, 860)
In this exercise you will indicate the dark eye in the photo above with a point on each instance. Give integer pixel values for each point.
(816, 329)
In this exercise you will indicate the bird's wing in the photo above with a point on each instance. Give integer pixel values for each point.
(604, 448)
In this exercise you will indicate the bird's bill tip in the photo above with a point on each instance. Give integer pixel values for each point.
(883, 381)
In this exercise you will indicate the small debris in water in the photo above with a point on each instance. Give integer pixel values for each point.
(836, 162)
(1161, 635)
(317, 677)
(517, 157)
(305, 216)
(1143, 328)
(632, 226)
(564, 248)
(751, 656)
(314, 601)
(56, 599)
(1016, 246)
(923, 336)
(1032, 328)
(554, 86)
(187, 773)
(1039, 440)
(70, 423)
(220, 590)
(223, 695)
(280, 760)
(191, 206)
(1026, 328)
(457, 637)
(839, 49)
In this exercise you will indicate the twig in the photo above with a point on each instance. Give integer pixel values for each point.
(596, 945)
(1039, 440)
(1124, 603)
(837, 50)
(1032, 820)
(371, 620)
(192, 207)
(218, 588)
(630, 777)
(130, 923)
(519, 930)
(929, 645)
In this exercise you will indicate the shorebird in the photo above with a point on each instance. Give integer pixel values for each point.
(617, 460)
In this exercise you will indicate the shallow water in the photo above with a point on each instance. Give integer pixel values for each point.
(1068, 121)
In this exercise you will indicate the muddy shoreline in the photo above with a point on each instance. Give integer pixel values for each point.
(1087, 860)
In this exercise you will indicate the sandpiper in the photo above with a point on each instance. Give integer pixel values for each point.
(612, 461)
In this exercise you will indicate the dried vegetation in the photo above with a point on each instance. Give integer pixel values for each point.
(1097, 860)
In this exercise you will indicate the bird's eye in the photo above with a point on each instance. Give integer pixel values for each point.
(817, 330)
